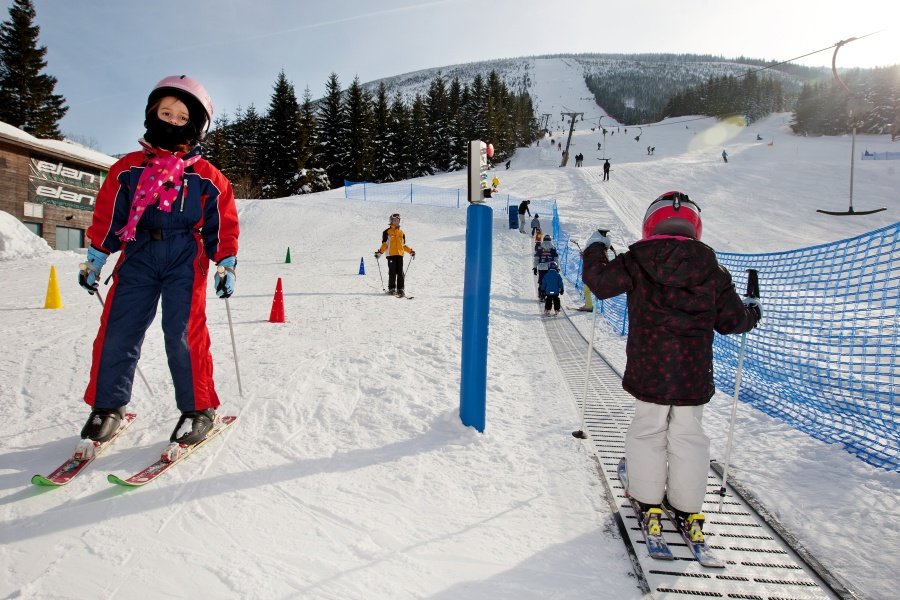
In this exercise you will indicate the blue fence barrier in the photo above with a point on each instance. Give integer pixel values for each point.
(825, 358)
(448, 197)
(880, 155)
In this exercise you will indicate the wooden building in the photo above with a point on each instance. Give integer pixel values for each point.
(50, 185)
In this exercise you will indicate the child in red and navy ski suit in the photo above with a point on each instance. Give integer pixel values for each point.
(169, 212)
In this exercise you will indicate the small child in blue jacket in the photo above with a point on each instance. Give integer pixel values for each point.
(552, 288)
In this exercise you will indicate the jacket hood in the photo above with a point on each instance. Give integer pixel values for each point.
(675, 261)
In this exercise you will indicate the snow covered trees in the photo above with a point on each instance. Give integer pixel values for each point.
(27, 100)
(360, 135)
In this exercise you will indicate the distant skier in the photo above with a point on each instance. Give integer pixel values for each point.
(677, 295)
(758, 138)
(393, 240)
(552, 288)
(599, 145)
(606, 168)
(724, 156)
(507, 164)
(523, 208)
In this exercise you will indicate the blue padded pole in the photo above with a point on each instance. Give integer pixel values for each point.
(476, 312)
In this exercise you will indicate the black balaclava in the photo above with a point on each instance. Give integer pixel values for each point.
(167, 136)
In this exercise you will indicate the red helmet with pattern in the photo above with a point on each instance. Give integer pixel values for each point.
(673, 213)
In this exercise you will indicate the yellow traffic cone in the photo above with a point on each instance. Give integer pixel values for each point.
(54, 300)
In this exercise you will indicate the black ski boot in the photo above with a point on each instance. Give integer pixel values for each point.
(102, 424)
(193, 426)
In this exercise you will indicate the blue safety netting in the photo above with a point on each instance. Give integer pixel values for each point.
(825, 357)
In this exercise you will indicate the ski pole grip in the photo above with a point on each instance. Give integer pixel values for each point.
(752, 283)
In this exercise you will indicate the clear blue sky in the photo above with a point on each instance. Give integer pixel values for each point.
(107, 54)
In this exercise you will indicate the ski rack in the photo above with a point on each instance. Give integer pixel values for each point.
(763, 561)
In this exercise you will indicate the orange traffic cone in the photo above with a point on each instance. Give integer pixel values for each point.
(277, 314)
(53, 299)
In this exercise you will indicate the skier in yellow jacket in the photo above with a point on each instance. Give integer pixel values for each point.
(393, 240)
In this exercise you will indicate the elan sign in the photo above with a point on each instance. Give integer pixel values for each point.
(57, 183)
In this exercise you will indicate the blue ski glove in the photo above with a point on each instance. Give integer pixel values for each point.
(89, 273)
(754, 305)
(598, 237)
(224, 278)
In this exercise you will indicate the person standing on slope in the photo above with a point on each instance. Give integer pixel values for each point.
(393, 240)
(523, 208)
(606, 168)
(678, 295)
(169, 212)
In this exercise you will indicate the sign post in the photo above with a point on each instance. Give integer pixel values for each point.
(476, 295)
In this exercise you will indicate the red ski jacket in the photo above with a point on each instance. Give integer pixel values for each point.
(208, 207)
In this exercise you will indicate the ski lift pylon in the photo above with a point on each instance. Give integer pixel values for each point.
(849, 212)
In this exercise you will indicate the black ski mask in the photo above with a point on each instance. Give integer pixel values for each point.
(165, 135)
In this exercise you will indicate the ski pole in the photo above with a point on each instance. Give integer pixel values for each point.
(752, 292)
(580, 434)
(138, 367)
(378, 262)
(221, 272)
(237, 370)
(408, 266)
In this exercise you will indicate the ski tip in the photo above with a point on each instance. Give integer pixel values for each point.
(41, 480)
(118, 480)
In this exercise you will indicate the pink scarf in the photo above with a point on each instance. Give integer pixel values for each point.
(161, 181)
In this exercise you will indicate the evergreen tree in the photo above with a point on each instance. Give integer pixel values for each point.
(215, 144)
(282, 150)
(437, 115)
(27, 100)
(401, 138)
(246, 143)
(332, 154)
(383, 160)
(457, 139)
(418, 130)
(314, 178)
(358, 138)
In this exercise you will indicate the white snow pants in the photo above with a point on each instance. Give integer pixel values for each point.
(667, 453)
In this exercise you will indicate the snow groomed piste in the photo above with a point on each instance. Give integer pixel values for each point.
(759, 563)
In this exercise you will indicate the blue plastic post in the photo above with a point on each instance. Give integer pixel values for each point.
(476, 311)
(362, 266)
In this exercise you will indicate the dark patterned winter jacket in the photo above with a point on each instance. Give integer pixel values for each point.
(677, 295)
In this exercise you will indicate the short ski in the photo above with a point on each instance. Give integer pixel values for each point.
(77, 463)
(172, 454)
(701, 551)
(656, 544)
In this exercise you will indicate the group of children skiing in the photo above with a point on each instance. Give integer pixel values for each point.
(170, 213)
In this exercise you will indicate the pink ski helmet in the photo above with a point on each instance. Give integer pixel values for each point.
(673, 213)
(189, 91)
